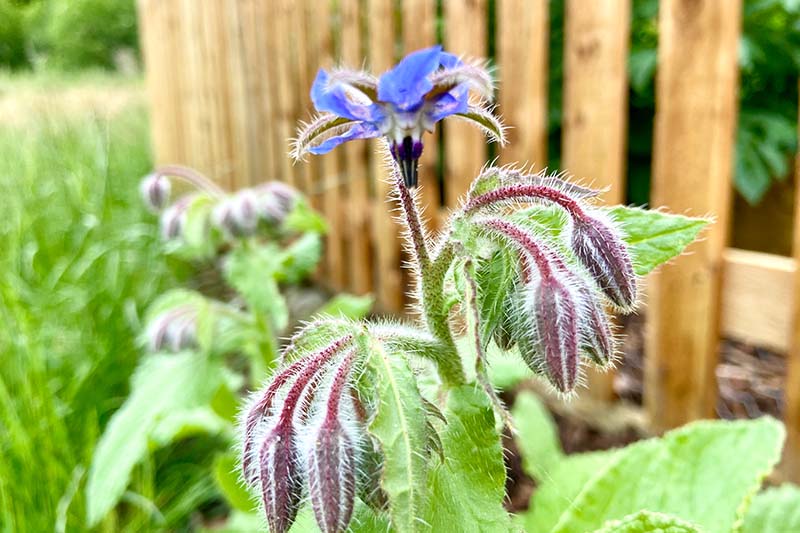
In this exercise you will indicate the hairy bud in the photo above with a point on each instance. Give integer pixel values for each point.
(155, 190)
(599, 246)
(173, 219)
(331, 460)
(275, 202)
(597, 336)
(237, 215)
(281, 485)
(173, 330)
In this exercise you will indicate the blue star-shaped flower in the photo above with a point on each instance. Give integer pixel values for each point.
(408, 100)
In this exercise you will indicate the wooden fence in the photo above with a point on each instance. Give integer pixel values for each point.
(229, 79)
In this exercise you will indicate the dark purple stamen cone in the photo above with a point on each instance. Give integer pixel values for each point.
(281, 486)
(332, 477)
(407, 154)
(331, 461)
(604, 254)
(557, 328)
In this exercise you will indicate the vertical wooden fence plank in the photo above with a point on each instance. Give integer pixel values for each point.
(465, 146)
(356, 205)
(595, 109)
(693, 154)
(419, 31)
(522, 45)
(386, 232)
(792, 385)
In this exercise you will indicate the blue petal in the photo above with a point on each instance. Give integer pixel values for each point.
(448, 60)
(456, 100)
(334, 99)
(362, 130)
(407, 83)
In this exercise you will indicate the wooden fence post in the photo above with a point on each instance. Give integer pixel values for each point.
(465, 147)
(692, 165)
(792, 385)
(386, 232)
(596, 109)
(523, 29)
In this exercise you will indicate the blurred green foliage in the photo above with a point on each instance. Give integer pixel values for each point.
(66, 34)
(80, 262)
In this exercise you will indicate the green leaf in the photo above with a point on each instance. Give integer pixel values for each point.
(705, 472)
(163, 384)
(468, 489)
(775, 509)
(561, 487)
(537, 436)
(302, 219)
(226, 474)
(649, 522)
(347, 306)
(251, 271)
(495, 278)
(654, 237)
(401, 428)
(299, 259)
(178, 425)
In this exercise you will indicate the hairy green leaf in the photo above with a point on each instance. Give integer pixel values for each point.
(495, 278)
(163, 384)
(704, 472)
(401, 428)
(654, 237)
(775, 509)
(251, 271)
(537, 436)
(467, 490)
(649, 522)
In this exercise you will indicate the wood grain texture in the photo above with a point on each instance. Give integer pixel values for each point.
(522, 56)
(465, 146)
(389, 290)
(792, 387)
(693, 153)
(418, 32)
(594, 126)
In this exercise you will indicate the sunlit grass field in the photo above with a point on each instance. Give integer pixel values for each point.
(79, 261)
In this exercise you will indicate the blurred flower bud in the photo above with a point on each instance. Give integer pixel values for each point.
(599, 246)
(275, 201)
(173, 219)
(237, 215)
(155, 190)
(173, 330)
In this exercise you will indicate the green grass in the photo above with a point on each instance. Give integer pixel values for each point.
(79, 262)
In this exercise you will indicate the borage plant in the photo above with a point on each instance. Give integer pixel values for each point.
(386, 425)
(204, 346)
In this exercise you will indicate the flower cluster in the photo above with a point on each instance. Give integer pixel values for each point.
(304, 434)
(405, 102)
(555, 312)
(233, 216)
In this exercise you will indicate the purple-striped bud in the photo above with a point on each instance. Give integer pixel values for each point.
(237, 215)
(281, 482)
(597, 335)
(155, 190)
(331, 460)
(173, 219)
(600, 248)
(557, 332)
(275, 202)
(173, 330)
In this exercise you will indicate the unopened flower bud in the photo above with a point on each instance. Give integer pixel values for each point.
(173, 220)
(155, 190)
(281, 485)
(275, 201)
(173, 330)
(597, 336)
(599, 246)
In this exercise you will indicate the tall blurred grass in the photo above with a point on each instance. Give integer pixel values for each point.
(79, 261)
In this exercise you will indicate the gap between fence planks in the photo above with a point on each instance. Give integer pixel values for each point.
(696, 91)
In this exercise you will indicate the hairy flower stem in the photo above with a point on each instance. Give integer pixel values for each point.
(191, 177)
(431, 279)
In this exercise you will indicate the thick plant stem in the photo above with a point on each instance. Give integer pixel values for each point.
(431, 280)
